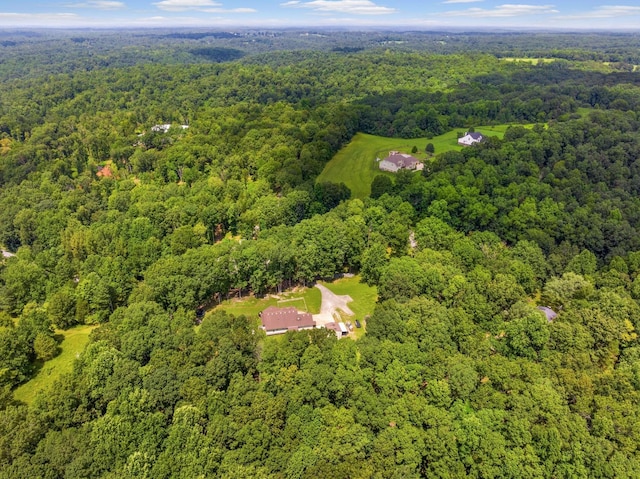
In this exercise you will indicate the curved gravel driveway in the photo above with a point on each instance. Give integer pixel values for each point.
(331, 301)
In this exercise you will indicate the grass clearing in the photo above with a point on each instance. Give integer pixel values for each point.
(355, 165)
(74, 342)
(584, 112)
(301, 298)
(533, 61)
(304, 299)
(364, 301)
(298, 303)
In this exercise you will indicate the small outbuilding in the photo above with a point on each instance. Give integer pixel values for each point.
(333, 327)
(339, 328)
(105, 172)
(343, 328)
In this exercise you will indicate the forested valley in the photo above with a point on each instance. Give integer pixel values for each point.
(108, 221)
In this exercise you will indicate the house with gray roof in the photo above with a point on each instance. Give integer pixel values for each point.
(548, 312)
(398, 161)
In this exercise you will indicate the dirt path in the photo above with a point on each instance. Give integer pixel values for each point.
(331, 302)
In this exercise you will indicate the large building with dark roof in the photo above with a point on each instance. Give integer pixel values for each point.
(280, 320)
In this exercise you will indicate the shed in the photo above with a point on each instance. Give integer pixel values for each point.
(343, 328)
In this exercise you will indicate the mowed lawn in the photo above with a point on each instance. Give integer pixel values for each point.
(533, 61)
(74, 342)
(355, 165)
(302, 298)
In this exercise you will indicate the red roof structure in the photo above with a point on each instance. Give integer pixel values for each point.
(104, 172)
(280, 320)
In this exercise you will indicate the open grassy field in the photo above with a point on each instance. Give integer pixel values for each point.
(74, 342)
(605, 67)
(305, 299)
(308, 299)
(533, 61)
(355, 165)
(364, 298)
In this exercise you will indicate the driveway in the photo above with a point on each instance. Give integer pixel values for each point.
(330, 303)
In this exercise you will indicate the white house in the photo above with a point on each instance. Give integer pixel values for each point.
(470, 139)
(165, 127)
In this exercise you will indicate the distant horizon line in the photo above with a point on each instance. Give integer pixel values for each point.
(350, 28)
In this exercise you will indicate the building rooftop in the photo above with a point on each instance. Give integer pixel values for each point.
(548, 312)
(402, 160)
(274, 319)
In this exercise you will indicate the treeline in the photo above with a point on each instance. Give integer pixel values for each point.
(36, 53)
(547, 92)
(407, 95)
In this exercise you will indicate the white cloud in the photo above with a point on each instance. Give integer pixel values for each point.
(8, 19)
(182, 5)
(462, 1)
(207, 6)
(98, 4)
(27, 16)
(501, 11)
(357, 7)
(606, 11)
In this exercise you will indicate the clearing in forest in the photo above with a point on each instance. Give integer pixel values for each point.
(364, 301)
(74, 342)
(304, 299)
(533, 61)
(355, 165)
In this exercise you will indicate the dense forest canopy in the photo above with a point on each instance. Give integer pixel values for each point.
(108, 220)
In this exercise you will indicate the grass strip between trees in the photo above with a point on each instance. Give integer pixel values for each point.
(74, 342)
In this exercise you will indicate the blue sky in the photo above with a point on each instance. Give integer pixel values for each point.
(426, 14)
